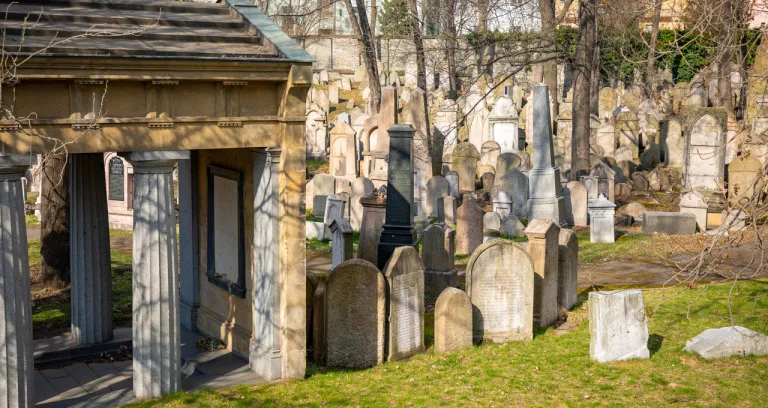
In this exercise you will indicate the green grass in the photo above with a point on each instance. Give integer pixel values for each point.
(120, 233)
(319, 245)
(548, 371)
(31, 219)
(317, 166)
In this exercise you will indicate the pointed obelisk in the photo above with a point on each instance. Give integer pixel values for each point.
(545, 200)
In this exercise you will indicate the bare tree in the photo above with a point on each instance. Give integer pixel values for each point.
(585, 53)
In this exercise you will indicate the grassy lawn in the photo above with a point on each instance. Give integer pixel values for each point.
(549, 371)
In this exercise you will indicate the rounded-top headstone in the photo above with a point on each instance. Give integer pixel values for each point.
(492, 221)
(404, 274)
(506, 162)
(453, 321)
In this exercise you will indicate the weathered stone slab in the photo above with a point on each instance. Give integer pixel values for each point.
(361, 187)
(727, 342)
(374, 214)
(355, 315)
(438, 251)
(568, 269)
(453, 321)
(437, 188)
(446, 210)
(492, 221)
(464, 162)
(617, 325)
(404, 274)
(341, 231)
(669, 223)
(601, 216)
(469, 226)
(576, 203)
(543, 248)
(500, 280)
(512, 227)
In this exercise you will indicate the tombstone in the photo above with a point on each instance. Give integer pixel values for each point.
(504, 124)
(361, 187)
(605, 180)
(515, 183)
(568, 269)
(651, 156)
(323, 77)
(453, 321)
(479, 129)
(491, 221)
(446, 210)
(486, 181)
(640, 182)
(628, 130)
(374, 213)
(627, 167)
(334, 209)
(546, 200)
(506, 162)
(622, 190)
(608, 101)
(333, 94)
(323, 185)
(694, 203)
(601, 222)
(590, 183)
(437, 188)
(346, 84)
(512, 227)
(618, 327)
(341, 233)
(743, 172)
(500, 284)
(453, 181)
(438, 250)
(578, 203)
(525, 160)
(319, 338)
(727, 342)
(343, 161)
(489, 155)
(316, 133)
(704, 159)
(404, 275)
(543, 247)
(469, 226)
(355, 315)
(502, 204)
(484, 168)
(623, 154)
(464, 162)
(606, 138)
(322, 101)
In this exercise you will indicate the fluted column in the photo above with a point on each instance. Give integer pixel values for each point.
(156, 345)
(89, 260)
(16, 363)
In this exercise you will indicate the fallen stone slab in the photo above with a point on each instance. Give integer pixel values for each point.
(727, 342)
(671, 223)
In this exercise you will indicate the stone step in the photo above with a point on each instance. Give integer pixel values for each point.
(155, 6)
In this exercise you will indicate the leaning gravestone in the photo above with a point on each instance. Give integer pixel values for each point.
(568, 269)
(512, 227)
(341, 231)
(500, 282)
(453, 321)
(515, 183)
(361, 187)
(438, 251)
(469, 226)
(374, 213)
(506, 162)
(355, 315)
(334, 210)
(453, 180)
(437, 188)
(617, 325)
(492, 221)
(543, 247)
(405, 279)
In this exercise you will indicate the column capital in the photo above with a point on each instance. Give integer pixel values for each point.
(273, 152)
(13, 166)
(157, 161)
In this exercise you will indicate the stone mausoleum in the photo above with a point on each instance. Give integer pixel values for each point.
(215, 91)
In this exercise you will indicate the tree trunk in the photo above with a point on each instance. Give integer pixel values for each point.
(421, 68)
(449, 42)
(549, 68)
(54, 220)
(362, 29)
(725, 45)
(374, 17)
(581, 90)
(594, 82)
(650, 70)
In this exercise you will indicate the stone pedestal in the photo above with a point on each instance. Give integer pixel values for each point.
(156, 346)
(546, 192)
(89, 261)
(16, 363)
(398, 230)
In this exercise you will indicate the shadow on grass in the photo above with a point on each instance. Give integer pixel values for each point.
(654, 343)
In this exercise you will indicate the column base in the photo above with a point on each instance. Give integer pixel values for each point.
(265, 362)
(548, 209)
(188, 314)
(393, 236)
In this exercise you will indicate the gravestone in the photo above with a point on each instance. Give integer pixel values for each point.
(334, 210)
(116, 179)
(605, 180)
(627, 167)
(355, 315)
(453, 181)
(486, 181)
(512, 227)
(515, 183)
(640, 181)
(704, 165)
(693, 202)
(606, 138)
(506, 162)
(601, 217)
(607, 102)
(504, 124)
(398, 229)
(446, 210)
(502, 204)
(568, 269)
(469, 225)
(319, 338)
(374, 214)
(578, 201)
(543, 248)
(628, 129)
(492, 221)
(342, 162)
(675, 144)
(500, 281)
(743, 172)
(590, 183)
(404, 275)
(623, 154)
(464, 162)
(489, 153)
(669, 223)
(546, 196)
(437, 188)
(324, 185)
(727, 342)
(333, 94)
(618, 327)
(438, 251)
(361, 187)
(341, 231)
(453, 321)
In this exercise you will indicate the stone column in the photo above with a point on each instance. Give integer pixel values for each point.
(265, 351)
(16, 362)
(89, 260)
(156, 345)
(189, 299)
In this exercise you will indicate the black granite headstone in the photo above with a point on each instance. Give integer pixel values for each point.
(398, 226)
(116, 179)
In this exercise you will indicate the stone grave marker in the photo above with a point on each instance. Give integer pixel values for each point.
(469, 225)
(464, 162)
(489, 153)
(374, 214)
(605, 180)
(361, 187)
(341, 231)
(438, 251)
(742, 174)
(507, 161)
(512, 227)
(568, 269)
(601, 227)
(446, 210)
(334, 210)
(578, 203)
(543, 247)
(453, 321)
(704, 165)
(502, 204)
(618, 327)
(453, 181)
(492, 221)
(404, 275)
(437, 188)
(693, 202)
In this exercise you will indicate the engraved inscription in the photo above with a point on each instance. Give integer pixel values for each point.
(116, 179)
(406, 325)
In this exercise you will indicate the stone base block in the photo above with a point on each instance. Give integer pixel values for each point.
(669, 223)
(548, 209)
(264, 362)
(617, 325)
(436, 281)
(728, 342)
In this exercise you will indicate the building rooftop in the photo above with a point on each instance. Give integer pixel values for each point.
(231, 30)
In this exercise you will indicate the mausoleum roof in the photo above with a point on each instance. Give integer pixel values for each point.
(231, 30)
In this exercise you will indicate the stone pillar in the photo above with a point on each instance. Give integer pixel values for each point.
(189, 280)
(16, 363)
(89, 260)
(265, 348)
(156, 344)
